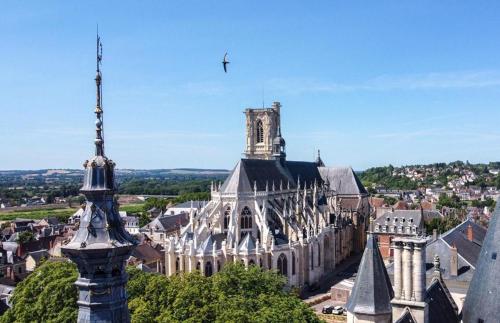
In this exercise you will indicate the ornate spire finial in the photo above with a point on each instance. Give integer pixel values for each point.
(437, 264)
(99, 140)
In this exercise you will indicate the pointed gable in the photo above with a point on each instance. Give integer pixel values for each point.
(372, 291)
(237, 181)
(207, 246)
(247, 244)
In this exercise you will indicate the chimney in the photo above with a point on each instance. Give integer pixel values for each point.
(453, 261)
(470, 233)
(434, 234)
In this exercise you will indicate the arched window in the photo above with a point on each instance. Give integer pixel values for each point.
(246, 218)
(260, 132)
(198, 265)
(208, 269)
(218, 265)
(270, 261)
(227, 214)
(282, 265)
(177, 265)
(293, 263)
(251, 262)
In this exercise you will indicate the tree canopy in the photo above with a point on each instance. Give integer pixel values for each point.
(233, 295)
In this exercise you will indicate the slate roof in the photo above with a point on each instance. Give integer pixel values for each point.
(247, 244)
(343, 180)
(440, 248)
(168, 223)
(372, 291)
(458, 237)
(441, 309)
(483, 296)
(38, 255)
(307, 171)
(259, 171)
(406, 318)
(207, 246)
(145, 252)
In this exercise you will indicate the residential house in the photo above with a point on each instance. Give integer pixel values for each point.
(401, 223)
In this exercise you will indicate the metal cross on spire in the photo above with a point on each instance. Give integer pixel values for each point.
(99, 141)
(98, 50)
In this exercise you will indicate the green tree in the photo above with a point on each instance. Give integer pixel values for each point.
(25, 236)
(452, 202)
(47, 295)
(442, 224)
(232, 295)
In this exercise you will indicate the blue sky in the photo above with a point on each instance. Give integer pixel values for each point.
(367, 82)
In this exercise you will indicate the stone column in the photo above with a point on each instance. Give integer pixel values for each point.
(407, 270)
(419, 271)
(397, 269)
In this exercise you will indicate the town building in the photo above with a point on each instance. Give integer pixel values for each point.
(164, 226)
(131, 223)
(149, 258)
(300, 218)
(395, 223)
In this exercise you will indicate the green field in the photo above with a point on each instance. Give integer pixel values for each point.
(61, 213)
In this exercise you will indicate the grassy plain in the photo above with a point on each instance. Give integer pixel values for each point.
(61, 213)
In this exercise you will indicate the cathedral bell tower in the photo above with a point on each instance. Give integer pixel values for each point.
(262, 129)
(101, 246)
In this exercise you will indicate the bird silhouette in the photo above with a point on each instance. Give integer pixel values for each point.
(225, 62)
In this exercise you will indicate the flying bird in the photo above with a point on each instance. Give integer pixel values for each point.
(225, 62)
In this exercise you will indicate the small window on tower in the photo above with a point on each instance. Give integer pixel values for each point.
(260, 132)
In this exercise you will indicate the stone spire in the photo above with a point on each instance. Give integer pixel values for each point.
(370, 299)
(319, 161)
(101, 246)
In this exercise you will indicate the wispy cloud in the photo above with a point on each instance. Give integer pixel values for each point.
(424, 81)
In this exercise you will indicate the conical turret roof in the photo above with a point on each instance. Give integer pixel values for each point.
(482, 303)
(372, 291)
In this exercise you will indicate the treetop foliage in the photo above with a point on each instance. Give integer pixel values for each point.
(233, 295)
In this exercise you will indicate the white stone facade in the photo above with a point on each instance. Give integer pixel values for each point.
(273, 213)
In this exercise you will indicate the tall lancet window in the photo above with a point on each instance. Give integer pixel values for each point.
(282, 265)
(227, 214)
(246, 218)
(260, 132)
